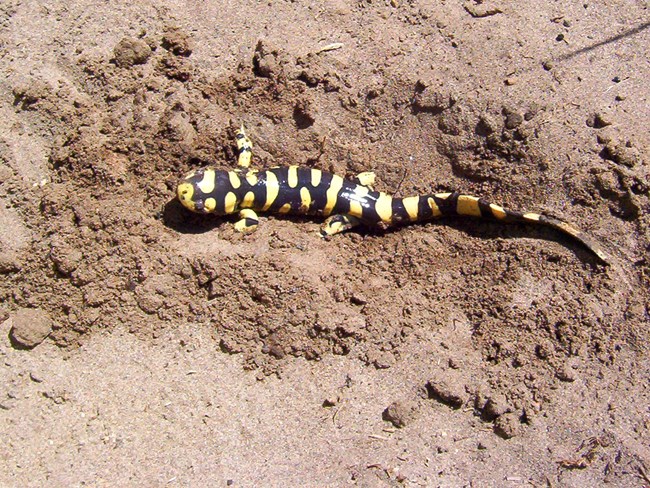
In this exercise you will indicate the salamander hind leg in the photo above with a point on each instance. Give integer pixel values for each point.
(336, 224)
(248, 221)
(244, 148)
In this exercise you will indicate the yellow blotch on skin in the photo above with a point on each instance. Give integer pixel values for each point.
(356, 210)
(229, 202)
(251, 178)
(235, 182)
(384, 207)
(355, 200)
(292, 176)
(411, 207)
(362, 191)
(532, 216)
(272, 189)
(206, 185)
(210, 204)
(316, 176)
(435, 211)
(248, 214)
(498, 212)
(284, 208)
(468, 205)
(248, 200)
(572, 231)
(332, 193)
(305, 199)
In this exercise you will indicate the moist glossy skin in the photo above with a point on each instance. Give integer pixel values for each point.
(307, 191)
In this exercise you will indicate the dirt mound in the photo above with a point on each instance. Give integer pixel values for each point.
(92, 233)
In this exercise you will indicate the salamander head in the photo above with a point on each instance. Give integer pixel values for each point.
(194, 191)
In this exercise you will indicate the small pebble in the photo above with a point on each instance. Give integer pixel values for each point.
(331, 401)
(30, 327)
(495, 406)
(598, 120)
(129, 52)
(513, 120)
(400, 413)
(177, 42)
(507, 426)
(565, 373)
(35, 378)
(452, 394)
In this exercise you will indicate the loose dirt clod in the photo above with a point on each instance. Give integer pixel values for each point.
(400, 413)
(449, 392)
(30, 327)
(130, 52)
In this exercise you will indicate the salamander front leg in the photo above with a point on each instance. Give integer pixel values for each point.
(367, 178)
(337, 224)
(244, 148)
(248, 221)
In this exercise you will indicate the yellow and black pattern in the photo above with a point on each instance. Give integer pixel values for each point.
(345, 203)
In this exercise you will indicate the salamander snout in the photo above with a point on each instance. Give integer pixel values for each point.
(186, 191)
(197, 191)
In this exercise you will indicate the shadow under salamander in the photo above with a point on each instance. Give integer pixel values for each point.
(178, 218)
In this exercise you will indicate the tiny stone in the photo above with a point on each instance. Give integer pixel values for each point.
(507, 426)
(548, 65)
(619, 98)
(531, 112)
(452, 394)
(511, 81)
(604, 138)
(30, 327)
(495, 406)
(560, 37)
(453, 363)
(129, 52)
(565, 374)
(482, 445)
(566, 23)
(331, 401)
(513, 120)
(616, 79)
(35, 378)
(601, 120)
(399, 413)
(177, 42)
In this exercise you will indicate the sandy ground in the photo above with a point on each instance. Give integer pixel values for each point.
(455, 353)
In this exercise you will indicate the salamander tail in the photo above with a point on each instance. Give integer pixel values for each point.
(450, 204)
